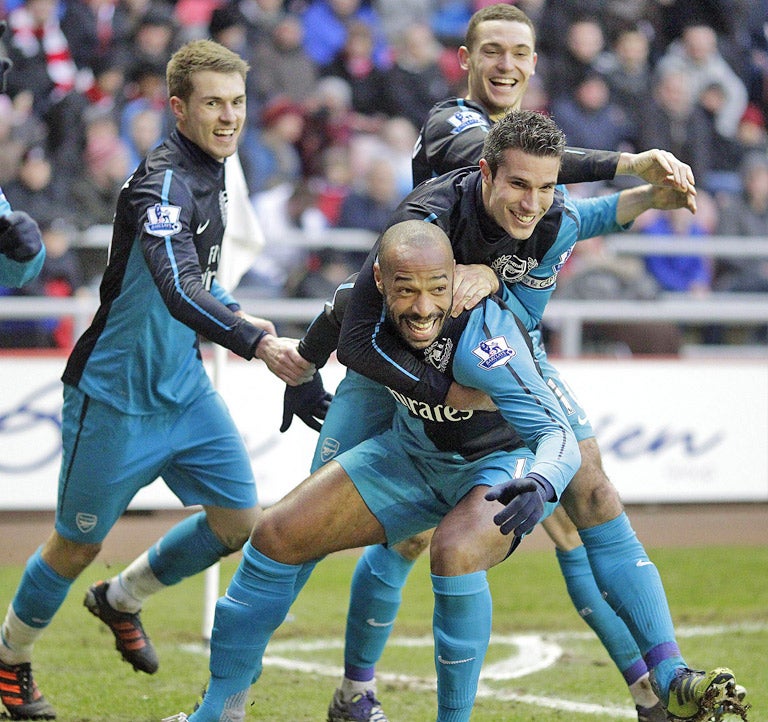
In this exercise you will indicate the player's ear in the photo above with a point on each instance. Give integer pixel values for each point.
(463, 55)
(377, 277)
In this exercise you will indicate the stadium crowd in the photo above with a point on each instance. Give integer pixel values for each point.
(337, 92)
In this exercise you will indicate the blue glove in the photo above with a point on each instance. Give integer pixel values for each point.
(20, 237)
(523, 501)
(309, 401)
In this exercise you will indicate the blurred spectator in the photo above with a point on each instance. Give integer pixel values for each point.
(673, 120)
(326, 25)
(679, 273)
(108, 81)
(145, 90)
(399, 15)
(356, 64)
(229, 27)
(332, 186)
(106, 165)
(590, 119)
(38, 190)
(416, 82)
(194, 17)
(155, 36)
(330, 120)
(282, 66)
(280, 266)
(95, 29)
(61, 275)
(583, 52)
(19, 130)
(143, 131)
(372, 201)
(263, 17)
(757, 66)
(628, 70)
(752, 133)
(697, 56)
(273, 159)
(42, 61)
(594, 274)
(746, 215)
(554, 17)
(399, 136)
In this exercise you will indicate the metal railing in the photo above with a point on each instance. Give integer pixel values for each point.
(566, 316)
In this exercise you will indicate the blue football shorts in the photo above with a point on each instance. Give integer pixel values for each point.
(410, 494)
(360, 410)
(108, 456)
(574, 412)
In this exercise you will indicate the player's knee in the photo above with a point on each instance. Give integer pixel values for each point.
(591, 498)
(69, 558)
(451, 555)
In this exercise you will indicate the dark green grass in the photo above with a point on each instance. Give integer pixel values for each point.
(718, 597)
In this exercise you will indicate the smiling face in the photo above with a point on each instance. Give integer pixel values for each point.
(214, 114)
(521, 192)
(499, 64)
(416, 281)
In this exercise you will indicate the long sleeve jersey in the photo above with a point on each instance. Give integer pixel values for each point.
(453, 134)
(159, 290)
(527, 271)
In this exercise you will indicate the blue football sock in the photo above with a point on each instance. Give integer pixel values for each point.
(597, 613)
(374, 601)
(633, 587)
(255, 604)
(462, 629)
(40, 593)
(188, 548)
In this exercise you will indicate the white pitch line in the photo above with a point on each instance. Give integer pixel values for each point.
(534, 653)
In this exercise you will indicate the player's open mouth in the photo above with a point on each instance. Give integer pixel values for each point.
(503, 82)
(224, 133)
(525, 219)
(421, 329)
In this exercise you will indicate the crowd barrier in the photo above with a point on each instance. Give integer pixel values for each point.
(671, 431)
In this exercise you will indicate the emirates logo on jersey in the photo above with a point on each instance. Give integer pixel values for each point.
(511, 268)
(438, 353)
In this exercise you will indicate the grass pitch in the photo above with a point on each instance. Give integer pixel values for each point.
(718, 597)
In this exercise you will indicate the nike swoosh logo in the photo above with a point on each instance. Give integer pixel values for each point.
(642, 563)
(373, 623)
(202, 227)
(453, 661)
(582, 420)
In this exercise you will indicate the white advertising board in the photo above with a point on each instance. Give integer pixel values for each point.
(670, 431)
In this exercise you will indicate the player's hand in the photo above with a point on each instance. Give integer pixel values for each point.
(20, 237)
(523, 501)
(659, 167)
(471, 284)
(284, 360)
(309, 401)
(667, 199)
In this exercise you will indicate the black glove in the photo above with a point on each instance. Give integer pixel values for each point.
(5, 63)
(20, 237)
(523, 501)
(309, 401)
